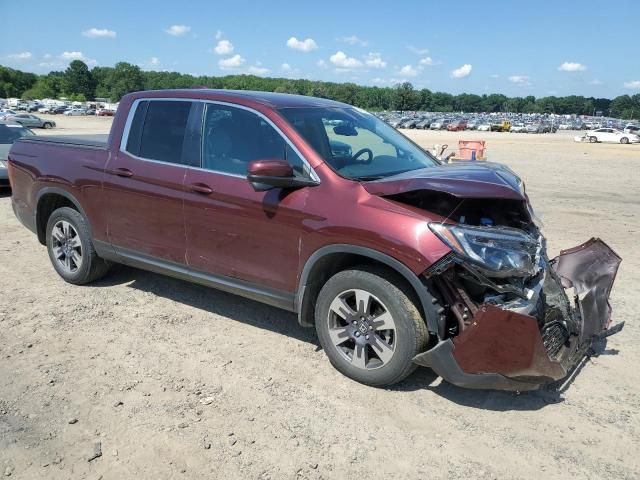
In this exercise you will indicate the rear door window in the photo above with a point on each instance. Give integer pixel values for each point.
(158, 130)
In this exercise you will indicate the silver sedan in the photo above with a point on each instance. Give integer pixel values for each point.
(30, 121)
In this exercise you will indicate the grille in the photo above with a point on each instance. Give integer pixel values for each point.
(554, 336)
(441, 265)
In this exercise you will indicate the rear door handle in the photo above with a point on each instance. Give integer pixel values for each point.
(121, 172)
(201, 188)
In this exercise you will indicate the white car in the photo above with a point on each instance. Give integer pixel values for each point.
(75, 111)
(611, 135)
(484, 127)
(517, 128)
(44, 110)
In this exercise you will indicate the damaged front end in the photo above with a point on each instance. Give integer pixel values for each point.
(509, 318)
(508, 324)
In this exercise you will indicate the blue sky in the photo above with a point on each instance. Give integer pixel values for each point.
(535, 47)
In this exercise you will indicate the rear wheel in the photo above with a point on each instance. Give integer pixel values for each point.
(369, 327)
(624, 140)
(593, 139)
(47, 125)
(71, 250)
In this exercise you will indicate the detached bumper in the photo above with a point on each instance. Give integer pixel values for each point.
(506, 350)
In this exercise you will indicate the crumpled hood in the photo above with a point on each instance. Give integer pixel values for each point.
(463, 180)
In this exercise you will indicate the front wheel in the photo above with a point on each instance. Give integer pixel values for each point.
(47, 126)
(593, 139)
(71, 250)
(624, 140)
(369, 327)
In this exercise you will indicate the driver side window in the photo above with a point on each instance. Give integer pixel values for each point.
(234, 137)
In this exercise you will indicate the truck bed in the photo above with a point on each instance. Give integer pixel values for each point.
(87, 141)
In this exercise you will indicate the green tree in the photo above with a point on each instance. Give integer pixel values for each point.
(405, 97)
(79, 80)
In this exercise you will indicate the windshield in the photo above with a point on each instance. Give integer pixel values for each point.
(10, 133)
(356, 144)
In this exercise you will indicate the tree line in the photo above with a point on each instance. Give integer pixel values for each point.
(78, 82)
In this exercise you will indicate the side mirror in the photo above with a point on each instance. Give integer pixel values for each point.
(345, 130)
(267, 174)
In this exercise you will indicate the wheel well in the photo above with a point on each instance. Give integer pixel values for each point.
(330, 264)
(48, 204)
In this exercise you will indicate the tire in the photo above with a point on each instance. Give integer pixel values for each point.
(624, 140)
(593, 139)
(71, 250)
(385, 355)
(47, 125)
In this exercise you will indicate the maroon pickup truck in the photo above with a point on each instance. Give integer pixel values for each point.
(319, 208)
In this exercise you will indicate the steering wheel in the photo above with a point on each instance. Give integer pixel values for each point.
(360, 152)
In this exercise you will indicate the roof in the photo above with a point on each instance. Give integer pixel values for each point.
(268, 99)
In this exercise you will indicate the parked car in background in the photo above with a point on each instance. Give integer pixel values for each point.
(391, 255)
(75, 111)
(484, 127)
(611, 135)
(9, 133)
(44, 110)
(518, 128)
(457, 125)
(91, 111)
(105, 112)
(423, 124)
(535, 128)
(635, 129)
(30, 121)
(501, 126)
(6, 112)
(59, 110)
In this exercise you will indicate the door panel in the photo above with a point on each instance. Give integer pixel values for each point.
(237, 232)
(145, 183)
(145, 210)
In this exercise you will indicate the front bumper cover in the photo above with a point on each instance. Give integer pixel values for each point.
(506, 350)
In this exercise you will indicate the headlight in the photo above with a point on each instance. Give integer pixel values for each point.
(499, 251)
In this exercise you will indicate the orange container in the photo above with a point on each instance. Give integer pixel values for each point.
(467, 147)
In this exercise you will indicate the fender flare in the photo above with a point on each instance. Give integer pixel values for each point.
(63, 193)
(426, 299)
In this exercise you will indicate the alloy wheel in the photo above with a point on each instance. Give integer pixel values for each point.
(362, 329)
(66, 246)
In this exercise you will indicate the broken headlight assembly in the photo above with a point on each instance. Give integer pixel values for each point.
(498, 251)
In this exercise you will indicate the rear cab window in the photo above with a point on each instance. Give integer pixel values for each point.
(160, 131)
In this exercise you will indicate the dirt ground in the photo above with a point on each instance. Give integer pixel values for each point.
(174, 380)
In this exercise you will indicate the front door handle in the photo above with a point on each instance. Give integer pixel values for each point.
(121, 172)
(201, 188)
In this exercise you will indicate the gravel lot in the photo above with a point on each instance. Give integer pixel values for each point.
(173, 380)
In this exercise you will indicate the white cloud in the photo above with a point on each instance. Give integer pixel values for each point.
(353, 40)
(154, 61)
(378, 81)
(321, 63)
(463, 71)
(71, 56)
(407, 71)
(47, 56)
(374, 60)
(572, 67)
(218, 34)
(285, 67)
(99, 33)
(232, 62)
(633, 85)
(494, 75)
(302, 45)
(257, 69)
(341, 60)
(427, 62)
(224, 47)
(520, 80)
(418, 51)
(20, 56)
(178, 30)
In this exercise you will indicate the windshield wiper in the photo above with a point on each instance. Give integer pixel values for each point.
(368, 178)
